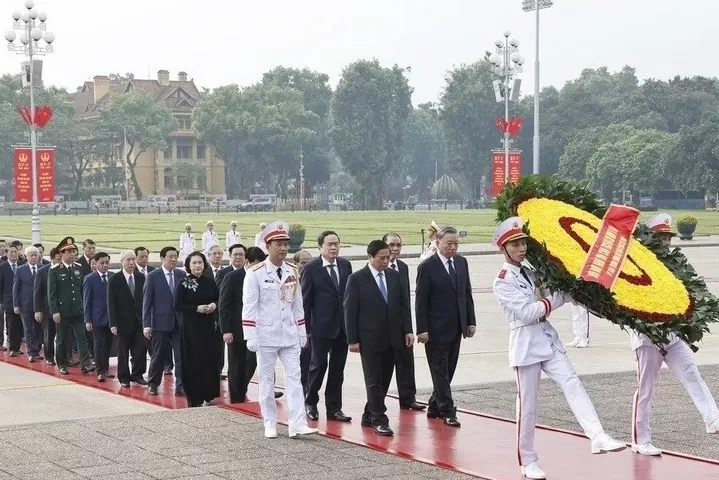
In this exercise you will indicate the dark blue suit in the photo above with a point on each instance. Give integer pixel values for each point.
(23, 289)
(12, 320)
(94, 301)
(158, 313)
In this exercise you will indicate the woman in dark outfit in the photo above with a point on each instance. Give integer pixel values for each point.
(196, 299)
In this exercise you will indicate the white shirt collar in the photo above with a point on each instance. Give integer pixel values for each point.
(395, 264)
(127, 275)
(374, 272)
(443, 258)
(166, 271)
(326, 263)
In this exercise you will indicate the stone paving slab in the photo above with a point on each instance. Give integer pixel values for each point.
(198, 444)
(675, 422)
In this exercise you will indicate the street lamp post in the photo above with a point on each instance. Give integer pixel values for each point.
(302, 180)
(507, 63)
(32, 28)
(535, 6)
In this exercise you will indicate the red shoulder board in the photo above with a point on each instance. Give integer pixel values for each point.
(501, 274)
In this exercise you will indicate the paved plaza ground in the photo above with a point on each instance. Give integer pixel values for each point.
(78, 432)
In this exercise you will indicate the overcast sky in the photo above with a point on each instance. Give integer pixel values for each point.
(229, 41)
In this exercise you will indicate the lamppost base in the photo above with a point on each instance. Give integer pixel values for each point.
(36, 229)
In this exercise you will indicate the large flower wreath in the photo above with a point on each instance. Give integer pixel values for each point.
(657, 293)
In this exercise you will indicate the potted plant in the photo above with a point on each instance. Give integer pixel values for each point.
(686, 225)
(297, 237)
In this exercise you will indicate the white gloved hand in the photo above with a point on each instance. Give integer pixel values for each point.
(303, 341)
(252, 345)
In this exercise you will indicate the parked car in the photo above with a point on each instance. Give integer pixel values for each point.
(257, 205)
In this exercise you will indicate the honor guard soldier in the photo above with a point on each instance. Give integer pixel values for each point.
(233, 236)
(187, 243)
(431, 247)
(678, 357)
(273, 324)
(65, 302)
(209, 238)
(534, 347)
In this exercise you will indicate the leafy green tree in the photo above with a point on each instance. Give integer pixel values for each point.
(424, 148)
(143, 122)
(369, 109)
(585, 143)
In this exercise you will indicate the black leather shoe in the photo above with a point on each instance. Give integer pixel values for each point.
(13, 353)
(101, 378)
(152, 390)
(312, 413)
(87, 369)
(223, 377)
(73, 363)
(452, 422)
(49, 362)
(366, 422)
(109, 375)
(179, 392)
(64, 371)
(139, 381)
(383, 430)
(167, 372)
(125, 384)
(279, 394)
(433, 414)
(32, 359)
(412, 406)
(339, 416)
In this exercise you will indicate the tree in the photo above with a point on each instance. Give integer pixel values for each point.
(189, 174)
(584, 144)
(694, 160)
(368, 112)
(145, 124)
(424, 156)
(468, 110)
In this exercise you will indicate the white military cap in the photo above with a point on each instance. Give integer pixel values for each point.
(233, 223)
(187, 225)
(661, 223)
(210, 222)
(279, 230)
(433, 229)
(508, 230)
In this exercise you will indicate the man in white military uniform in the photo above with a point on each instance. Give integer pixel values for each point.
(273, 322)
(209, 238)
(431, 247)
(580, 327)
(187, 242)
(534, 347)
(678, 357)
(259, 242)
(233, 236)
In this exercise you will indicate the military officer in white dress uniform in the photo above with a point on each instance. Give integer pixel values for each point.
(209, 238)
(187, 242)
(233, 236)
(273, 322)
(431, 247)
(534, 347)
(678, 357)
(259, 242)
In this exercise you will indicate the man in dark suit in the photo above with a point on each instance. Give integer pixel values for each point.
(8, 270)
(445, 312)
(94, 301)
(88, 251)
(41, 250)
(42, 308)
(142, 255)
(379, 322)
(237, 253)
(323, 283)
(160, 322)
(124, 307)
(230, 307)
(22, 293)
(404, 363)
(301, 259)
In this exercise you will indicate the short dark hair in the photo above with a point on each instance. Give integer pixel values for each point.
(16, 243)
(140, 249)
(195, 254)
(3, 240)
(164, 251)
(237, 245)
(375, 246)
(325, 234)
(100, 255)
(38, 245)
(390, 234)
(88, 242)
(53, 252)
(255, 254)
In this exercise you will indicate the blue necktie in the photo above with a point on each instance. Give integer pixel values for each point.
(382, 287)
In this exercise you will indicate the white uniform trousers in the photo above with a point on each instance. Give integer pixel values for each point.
(559, 369)
(580, 321)
(680, 361)
(290, 359)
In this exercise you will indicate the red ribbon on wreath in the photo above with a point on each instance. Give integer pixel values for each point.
(513, 126)
(42, 115)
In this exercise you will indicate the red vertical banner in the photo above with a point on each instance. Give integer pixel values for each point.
(515, 169)
(46, 175)
(23, 174)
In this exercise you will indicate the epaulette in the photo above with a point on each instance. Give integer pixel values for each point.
(55, 266)
(291, 265)
(257, 267)
(501, 274)
(78, 264)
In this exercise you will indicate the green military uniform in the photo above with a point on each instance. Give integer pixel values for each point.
(64, 294)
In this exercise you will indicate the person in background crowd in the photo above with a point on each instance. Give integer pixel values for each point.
(196, 299)
(142, 255)
(41, 250)
(230, 308)
(93, 265)
(23, 292)
(209, 238)
(3, 249)
(534, 347)
(187, 243)
(274, 325)
(42, 307)
(94, 300)
(124, 307)
(88, 251)
(233, 236)
(65, 303)
(13, 321)
(160, 321)
(431, 247)
(301, 259)
(258, 238)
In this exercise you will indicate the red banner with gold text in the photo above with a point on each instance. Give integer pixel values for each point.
(45, 175)
(606, 257)
(515, 169)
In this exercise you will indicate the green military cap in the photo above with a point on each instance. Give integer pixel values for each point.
(67, 243)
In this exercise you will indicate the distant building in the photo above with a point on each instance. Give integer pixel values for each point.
(155, 170)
